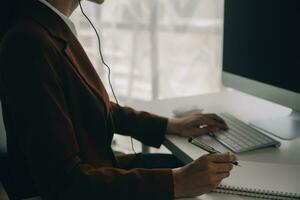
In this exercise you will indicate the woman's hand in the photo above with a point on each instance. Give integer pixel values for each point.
(202, 175)
(195, 125)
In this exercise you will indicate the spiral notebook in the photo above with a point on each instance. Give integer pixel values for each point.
(263, 180)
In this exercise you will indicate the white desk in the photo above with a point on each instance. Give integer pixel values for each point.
(241, 105)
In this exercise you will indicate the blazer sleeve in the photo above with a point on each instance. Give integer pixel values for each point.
(35, 92)
(148, 128)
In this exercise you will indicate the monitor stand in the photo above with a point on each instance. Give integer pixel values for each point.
(286, 128)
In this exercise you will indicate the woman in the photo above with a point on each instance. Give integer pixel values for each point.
(60, 122)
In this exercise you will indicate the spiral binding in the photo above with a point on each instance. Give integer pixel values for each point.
(258, 193)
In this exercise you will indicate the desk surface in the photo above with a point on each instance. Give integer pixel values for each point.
(241, 105)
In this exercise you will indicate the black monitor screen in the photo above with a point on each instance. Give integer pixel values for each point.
(262, 41)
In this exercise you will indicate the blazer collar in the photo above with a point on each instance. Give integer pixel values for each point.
(51, 21)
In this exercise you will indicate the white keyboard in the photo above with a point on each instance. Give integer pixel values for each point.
(241, 137)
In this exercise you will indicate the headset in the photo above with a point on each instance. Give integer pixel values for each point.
(104, 63)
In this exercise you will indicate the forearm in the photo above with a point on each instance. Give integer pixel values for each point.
(84, 181)
(148, 128)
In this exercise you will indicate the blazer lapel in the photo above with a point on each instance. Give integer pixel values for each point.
(85, 72)
(73, 50)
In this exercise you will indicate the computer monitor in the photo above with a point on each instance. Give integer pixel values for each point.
(261, 56)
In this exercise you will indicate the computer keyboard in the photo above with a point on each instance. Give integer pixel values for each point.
(241, 137)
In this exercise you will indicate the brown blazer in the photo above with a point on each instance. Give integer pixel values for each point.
(58, 117)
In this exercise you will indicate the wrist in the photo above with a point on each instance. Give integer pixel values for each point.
(176, 183)
(173, 127)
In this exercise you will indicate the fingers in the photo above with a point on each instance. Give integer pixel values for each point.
(216, 117)
(222, 158)
(213, 120)
(223, 168)
(212, 123)
(218, 163)
(202, 131)
(221, 176)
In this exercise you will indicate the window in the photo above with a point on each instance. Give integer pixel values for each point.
(156, 48)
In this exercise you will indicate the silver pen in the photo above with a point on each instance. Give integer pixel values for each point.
(207, 148)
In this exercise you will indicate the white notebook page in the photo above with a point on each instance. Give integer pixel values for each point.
(265, 176)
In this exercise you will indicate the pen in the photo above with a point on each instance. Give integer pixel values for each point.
(208, 148)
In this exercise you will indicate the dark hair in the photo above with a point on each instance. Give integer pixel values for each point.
(9, 14)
